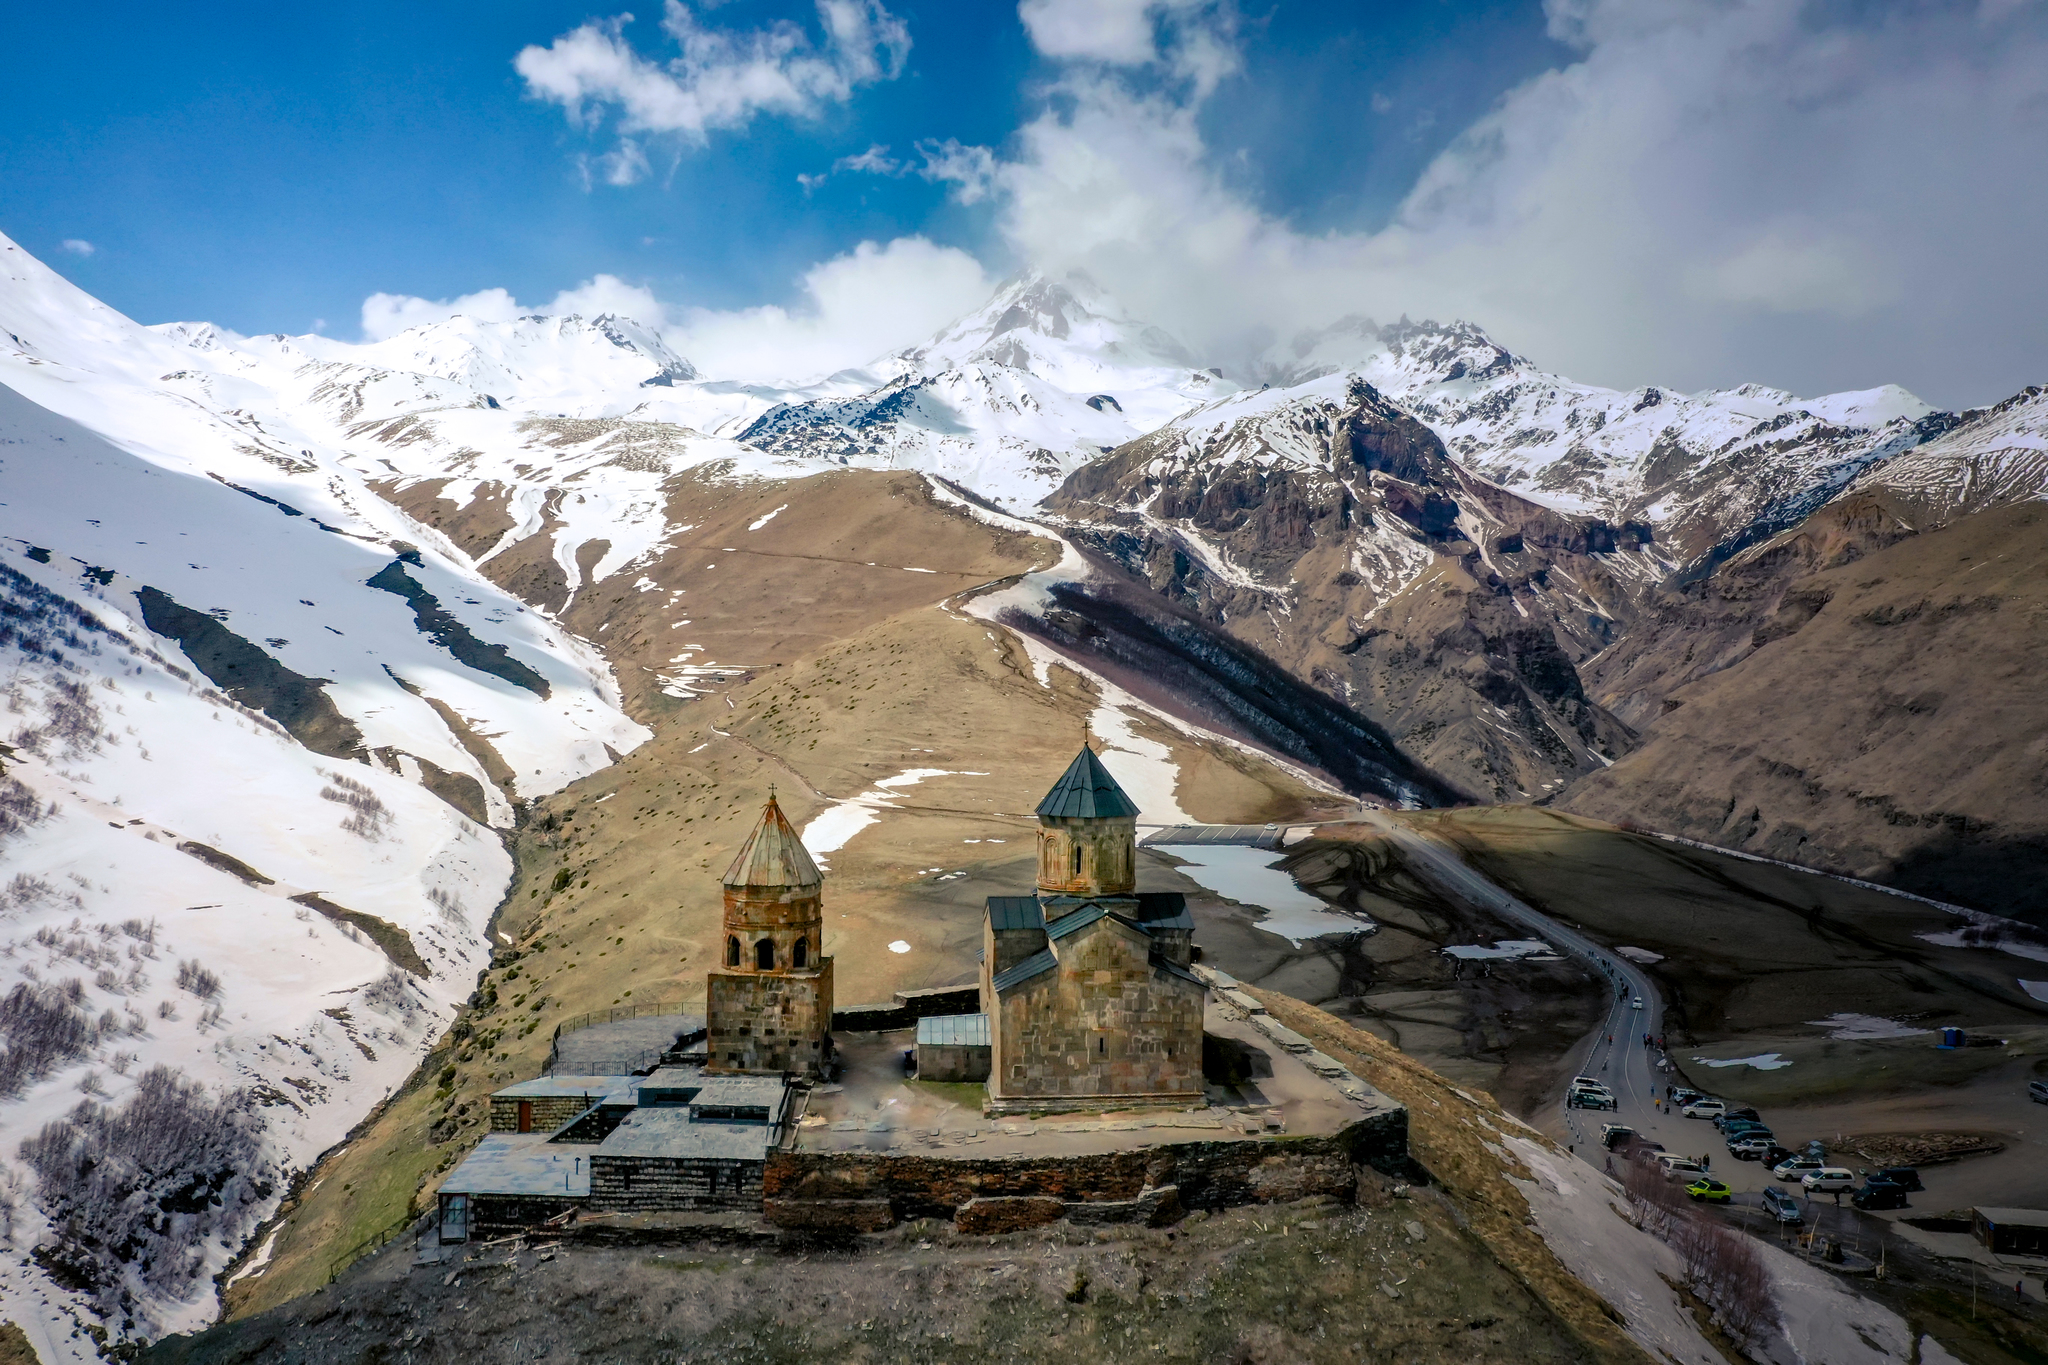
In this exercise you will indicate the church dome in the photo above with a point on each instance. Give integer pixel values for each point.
(773, 856)
(1086, 791)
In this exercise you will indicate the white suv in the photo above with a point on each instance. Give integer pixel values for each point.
(1829, 1178)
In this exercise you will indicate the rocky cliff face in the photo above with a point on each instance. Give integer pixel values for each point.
(1330, 529)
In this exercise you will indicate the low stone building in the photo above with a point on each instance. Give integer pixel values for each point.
(1086, 993)
(673, 1140)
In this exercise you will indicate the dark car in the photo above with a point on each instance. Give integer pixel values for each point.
(1733, 1114)
(1775, 1155)
(1742, 1128)
(1903, 1176)
(1613, 1135)
(1879, 1194)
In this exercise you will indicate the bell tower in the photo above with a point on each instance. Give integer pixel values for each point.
(769, 1003)
(1087, 833)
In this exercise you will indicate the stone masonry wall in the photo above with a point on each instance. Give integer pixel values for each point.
(1107, 849)
(824, 1191)
(1103, 1022)
(549, 1111)
(769, 1021)
(628, 1184)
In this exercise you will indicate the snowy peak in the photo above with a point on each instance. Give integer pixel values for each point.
(535, 360)
(1040, 324)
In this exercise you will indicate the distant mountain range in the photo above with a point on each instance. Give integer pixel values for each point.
(1399, 558)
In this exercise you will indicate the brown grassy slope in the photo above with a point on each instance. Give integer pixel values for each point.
(1749, 948)
(1895, 729)
(1453, 1132)
(643, 844)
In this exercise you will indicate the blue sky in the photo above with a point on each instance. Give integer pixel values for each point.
(273, 166)
(1812, 194)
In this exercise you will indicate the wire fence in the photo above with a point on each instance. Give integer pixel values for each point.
(618, 1012)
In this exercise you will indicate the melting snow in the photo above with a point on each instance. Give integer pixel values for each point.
(1763, 1061)
(1864, 1026)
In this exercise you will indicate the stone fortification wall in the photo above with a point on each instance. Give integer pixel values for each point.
(639, 1183)
(866, 1191)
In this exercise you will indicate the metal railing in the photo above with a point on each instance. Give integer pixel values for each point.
(618, 1012)
(379, 1240)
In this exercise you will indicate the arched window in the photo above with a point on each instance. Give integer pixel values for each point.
(764, 955)
(800, 955)
(1077, 860)
(732, 952)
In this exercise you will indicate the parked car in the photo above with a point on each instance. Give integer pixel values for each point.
(1751, 1147)
(1705, 1109)
(1612, 1135)
(1682, 1095)
(1817, 1148)
(1879, 1194)
(1710, 1191)
(1730, 1116)
(1783, 1205)
(1746, 1128)
(2037, 1091)
(1796, 1168)
(1905, 1177)
(1587, 1097)
(1774, 1154)
(1683, 1170)
(1828, 1179)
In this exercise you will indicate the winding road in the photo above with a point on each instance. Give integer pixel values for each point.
(1626, 1065)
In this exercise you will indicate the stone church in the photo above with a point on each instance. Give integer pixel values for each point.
(769, 1007)
(1086, 993)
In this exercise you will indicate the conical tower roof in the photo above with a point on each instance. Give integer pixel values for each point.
(1086, 791)
(773, 856)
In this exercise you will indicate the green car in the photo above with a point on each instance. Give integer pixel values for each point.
(1710, 1190)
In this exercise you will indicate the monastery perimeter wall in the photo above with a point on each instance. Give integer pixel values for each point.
(868, 1191)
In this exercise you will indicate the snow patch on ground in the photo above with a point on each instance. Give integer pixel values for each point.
(1580, 1214)
(1763, 1061)
(1641, 955)
(1864, 1026)
(1507, 949)
(831, 829)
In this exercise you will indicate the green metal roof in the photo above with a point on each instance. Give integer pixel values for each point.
(1086, 791)
(774, 856)
(1014, 912)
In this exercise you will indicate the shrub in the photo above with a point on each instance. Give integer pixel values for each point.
(369, 815)
(197, 979)
(44, 1027)
(134, 1194)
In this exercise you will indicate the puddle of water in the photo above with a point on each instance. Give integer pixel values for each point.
(1253, 877)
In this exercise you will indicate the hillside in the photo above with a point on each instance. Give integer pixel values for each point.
(1882, 715)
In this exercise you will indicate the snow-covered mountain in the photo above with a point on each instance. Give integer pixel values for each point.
(260, 728)
(1009, 400)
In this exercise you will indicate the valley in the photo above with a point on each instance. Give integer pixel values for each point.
(417, 693)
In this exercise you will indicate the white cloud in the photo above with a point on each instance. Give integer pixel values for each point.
(875, 161)
(1191, 39)
(971, 169)
(78, 246)
(855, 308)
(1715, 190)
(386, 315)
(720, 79)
